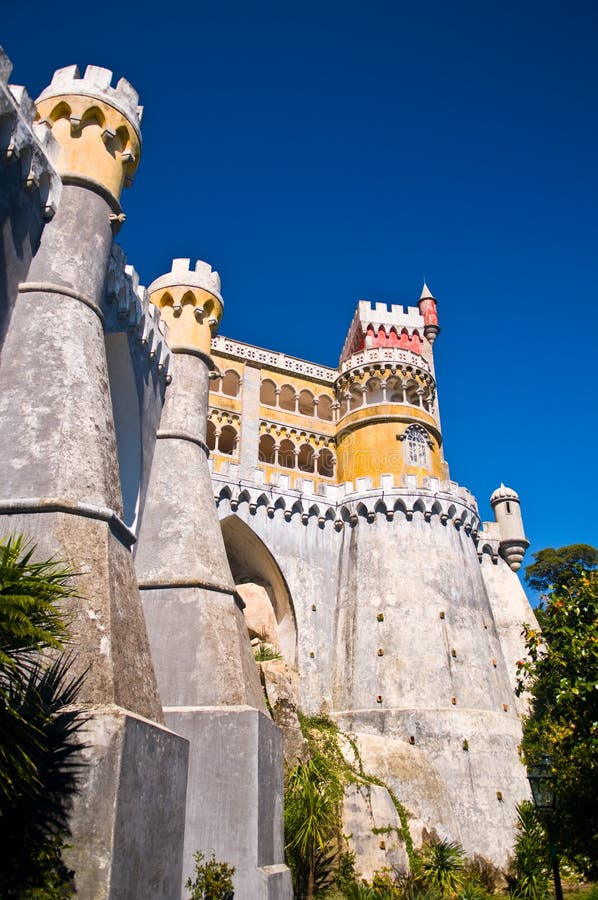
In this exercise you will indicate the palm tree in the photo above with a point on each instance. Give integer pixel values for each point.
(311, 800)
(442, 867)
(38, 723)
(30, 622)
(528, 876)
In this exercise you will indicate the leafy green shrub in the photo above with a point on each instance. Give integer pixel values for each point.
(335, 763)
(388, 884)
(346, 877)
(360, 891)
(213, 880)
(472, 890)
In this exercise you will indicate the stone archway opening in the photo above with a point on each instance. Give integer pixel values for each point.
(270, 618)
(269, 611)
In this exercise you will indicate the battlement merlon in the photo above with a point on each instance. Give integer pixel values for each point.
(191, 304)
(181, 274)
(97, 126)
(97, 83)
(389, 314)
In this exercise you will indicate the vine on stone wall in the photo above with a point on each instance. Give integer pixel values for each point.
(323, 735)
(316, 846)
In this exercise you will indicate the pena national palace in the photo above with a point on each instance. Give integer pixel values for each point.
(217, 497)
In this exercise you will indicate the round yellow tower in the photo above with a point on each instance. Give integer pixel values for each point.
(388, 413)
(191, 305)
(97, 127)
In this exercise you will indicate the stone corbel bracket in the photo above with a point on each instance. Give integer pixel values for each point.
(27, 143)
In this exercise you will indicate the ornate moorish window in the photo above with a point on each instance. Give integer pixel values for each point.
(416, 446)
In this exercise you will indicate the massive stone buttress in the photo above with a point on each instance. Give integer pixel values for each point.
(207, 677)
(61, 486)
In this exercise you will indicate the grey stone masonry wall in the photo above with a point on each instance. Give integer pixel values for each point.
(128, 841)
(510, 610)
(235, 796)
(400, 640)
(139, 370)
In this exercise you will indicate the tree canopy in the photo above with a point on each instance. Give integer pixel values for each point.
(560, 567)
(561, 675)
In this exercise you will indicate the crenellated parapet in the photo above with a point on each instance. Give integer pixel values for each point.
(400, 357)
(97, 126)
(384, 325)
(128, 309)
(27, 143)
(191, 304)
(279, 362)
(350, 504)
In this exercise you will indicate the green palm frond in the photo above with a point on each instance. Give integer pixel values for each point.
(30, 616)
(42, 724)
(39, 723)
(443, 867)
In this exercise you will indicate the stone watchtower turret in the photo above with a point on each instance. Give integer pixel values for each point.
(507, 512)
(207, 677)
(181, 561)
(98, 128)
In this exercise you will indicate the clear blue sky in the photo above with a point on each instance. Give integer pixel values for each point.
(317, 154)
